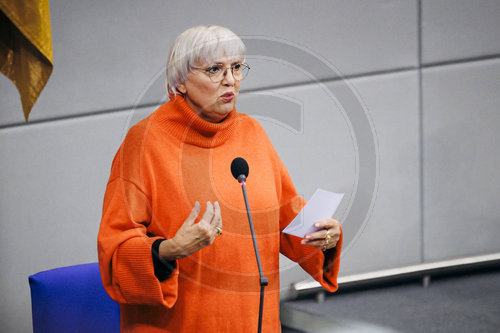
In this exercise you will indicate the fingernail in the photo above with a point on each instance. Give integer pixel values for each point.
(308, 236)
(317, 225)
(303, 241)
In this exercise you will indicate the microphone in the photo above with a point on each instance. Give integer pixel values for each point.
(240, 169)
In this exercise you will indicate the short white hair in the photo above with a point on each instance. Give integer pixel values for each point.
(200, 45)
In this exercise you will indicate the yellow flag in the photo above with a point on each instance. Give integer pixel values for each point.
(26, 47)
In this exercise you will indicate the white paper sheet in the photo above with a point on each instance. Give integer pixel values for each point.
(321, 205)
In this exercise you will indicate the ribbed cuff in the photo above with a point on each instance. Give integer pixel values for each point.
(163, 269)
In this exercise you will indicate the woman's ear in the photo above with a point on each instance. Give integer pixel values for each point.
(181, 88)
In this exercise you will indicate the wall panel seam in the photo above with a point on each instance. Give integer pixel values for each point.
(460, 61)
(421, 129)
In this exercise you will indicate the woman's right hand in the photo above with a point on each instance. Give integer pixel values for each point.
(192, 236)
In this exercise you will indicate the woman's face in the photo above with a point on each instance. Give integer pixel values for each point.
(211, 101)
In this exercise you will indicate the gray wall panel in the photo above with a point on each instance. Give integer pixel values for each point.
(391, 237)
(10, 101)
(106, 54)
(459, 29)
(461, 158)
(53, 180)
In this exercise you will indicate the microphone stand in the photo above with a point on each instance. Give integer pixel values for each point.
(263, 280)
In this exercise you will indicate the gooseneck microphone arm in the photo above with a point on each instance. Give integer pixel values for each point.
(239, 169)
(263, 280)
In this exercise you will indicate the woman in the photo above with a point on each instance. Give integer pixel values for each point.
(170, 269)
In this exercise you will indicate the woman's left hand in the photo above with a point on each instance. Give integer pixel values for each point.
(327, 237)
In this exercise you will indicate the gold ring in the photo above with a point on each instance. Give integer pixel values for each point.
(219, 231)
(324, 247)
(327, 238)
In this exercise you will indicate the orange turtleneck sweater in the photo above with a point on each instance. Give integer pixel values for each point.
(166, 163)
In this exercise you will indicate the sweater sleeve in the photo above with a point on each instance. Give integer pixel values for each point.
(322, 266)
(125, 248)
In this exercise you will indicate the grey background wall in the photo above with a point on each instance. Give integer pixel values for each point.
(427, 73)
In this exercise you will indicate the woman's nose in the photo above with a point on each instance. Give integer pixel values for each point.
(228, 76)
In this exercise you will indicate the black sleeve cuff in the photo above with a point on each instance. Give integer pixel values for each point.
(329, 254)
(163, 269)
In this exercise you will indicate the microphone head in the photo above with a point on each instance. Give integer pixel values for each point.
(239, 167)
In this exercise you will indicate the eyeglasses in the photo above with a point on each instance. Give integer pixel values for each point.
(217, 73)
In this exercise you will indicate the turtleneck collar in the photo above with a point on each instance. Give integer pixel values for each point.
(177, 118)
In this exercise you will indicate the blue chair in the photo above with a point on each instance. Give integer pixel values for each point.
(72, 299)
